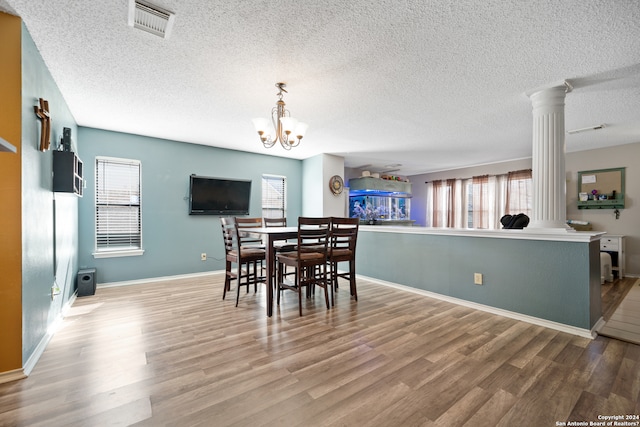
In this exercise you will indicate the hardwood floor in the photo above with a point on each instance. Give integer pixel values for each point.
(613, 293)
(624, 323)
(174, 354)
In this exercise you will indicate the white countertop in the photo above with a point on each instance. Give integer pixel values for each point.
(558, 235)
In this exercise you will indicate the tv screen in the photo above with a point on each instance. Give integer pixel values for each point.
(217, 196)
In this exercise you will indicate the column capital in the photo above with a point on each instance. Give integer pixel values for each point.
(565, 85)
(549, 97)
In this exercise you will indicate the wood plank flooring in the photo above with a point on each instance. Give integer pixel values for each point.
(624, 323)
(174, 354)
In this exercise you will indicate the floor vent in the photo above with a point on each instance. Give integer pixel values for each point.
(148, 17)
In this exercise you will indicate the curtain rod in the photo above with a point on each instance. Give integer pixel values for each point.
(462, 179)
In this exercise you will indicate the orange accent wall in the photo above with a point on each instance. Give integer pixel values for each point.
(10, 194)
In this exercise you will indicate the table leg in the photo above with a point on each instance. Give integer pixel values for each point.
(270, 258)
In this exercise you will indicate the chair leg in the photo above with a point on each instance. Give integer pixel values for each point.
(326, 286)
(278, 281)
(255, 277)
(227, 279)
(238, 283)
(329, 283)
(238, 293)
(333, 279)
(352, 279)
(299, 288)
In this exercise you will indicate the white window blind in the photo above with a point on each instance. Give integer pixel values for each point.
(118, 216)
(274, 196)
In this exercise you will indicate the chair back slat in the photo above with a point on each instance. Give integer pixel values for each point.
(344, 233)
(229, 235)
(275, 222)
(313, 235)
(243, 223)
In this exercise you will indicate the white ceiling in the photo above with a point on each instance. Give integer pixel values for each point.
(430, 85)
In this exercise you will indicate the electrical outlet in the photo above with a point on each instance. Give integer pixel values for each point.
(477, 278)
(55, 291)
(203, 256)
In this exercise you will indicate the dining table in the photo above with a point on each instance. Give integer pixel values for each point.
(269, 236)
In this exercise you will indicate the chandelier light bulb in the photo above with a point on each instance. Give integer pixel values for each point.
(301, 129)
(261, 124)
(288, 124)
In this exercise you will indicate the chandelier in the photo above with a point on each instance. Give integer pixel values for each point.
(288, 131)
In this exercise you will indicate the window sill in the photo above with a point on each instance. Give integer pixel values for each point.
(118, 253)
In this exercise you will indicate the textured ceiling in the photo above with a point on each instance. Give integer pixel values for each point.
(430, 85)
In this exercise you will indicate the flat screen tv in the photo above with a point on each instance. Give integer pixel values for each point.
(218, 196)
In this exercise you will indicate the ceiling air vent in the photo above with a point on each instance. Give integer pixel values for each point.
(148, 17)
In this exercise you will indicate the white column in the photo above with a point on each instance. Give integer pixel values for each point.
(548, 169)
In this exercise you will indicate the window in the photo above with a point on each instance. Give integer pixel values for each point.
(519, 193)
(118, 216)
(274, 190)
(478, 202)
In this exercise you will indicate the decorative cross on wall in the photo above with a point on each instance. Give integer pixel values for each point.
(42, 112)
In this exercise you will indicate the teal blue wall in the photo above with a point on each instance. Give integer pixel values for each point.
(49, 220)
(172, 239)
(312, 183)
(550, 280)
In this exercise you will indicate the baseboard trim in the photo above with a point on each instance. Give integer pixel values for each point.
(586, 333)
(9, 376)
(158, 279)
(599, 325)
(51, 331)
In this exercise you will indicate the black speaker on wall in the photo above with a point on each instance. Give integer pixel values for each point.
(66, 139)
(86, 282)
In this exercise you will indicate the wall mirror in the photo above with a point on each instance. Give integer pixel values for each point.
(601, 189)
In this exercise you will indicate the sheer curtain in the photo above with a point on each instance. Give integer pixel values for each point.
(489, 196)
(480, 189)
(500, 200)
(460, 204)
(430, 208)
(451, 203)
(519, 197)
(440, 193)
(434, 208)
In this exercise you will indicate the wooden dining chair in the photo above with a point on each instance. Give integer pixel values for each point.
(245, 258)
(275, 222)
(281, 245)
(309, 260)
(245, 224)
(344, 236)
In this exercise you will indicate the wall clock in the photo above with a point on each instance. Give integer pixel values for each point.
(336, 184)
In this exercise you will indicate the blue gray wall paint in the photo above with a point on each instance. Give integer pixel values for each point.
(49, 220)
(172, 239)
(312, 186)
(550, 280)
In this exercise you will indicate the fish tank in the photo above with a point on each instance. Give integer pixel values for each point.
(380, 208)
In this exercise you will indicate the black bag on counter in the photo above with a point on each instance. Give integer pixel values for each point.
(514, 221)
